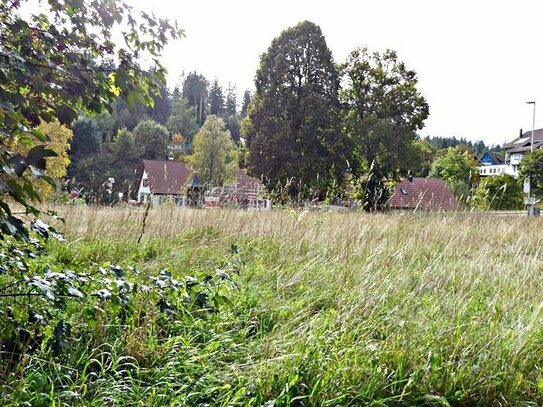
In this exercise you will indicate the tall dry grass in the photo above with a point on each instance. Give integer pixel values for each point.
(354, 309)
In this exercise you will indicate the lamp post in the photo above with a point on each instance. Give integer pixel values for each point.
(530, 200)
(533, 126)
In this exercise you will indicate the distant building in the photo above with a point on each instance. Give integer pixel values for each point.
(428, 194)
(516, 150)
(169, 181)
(493, 164)
(160, 181)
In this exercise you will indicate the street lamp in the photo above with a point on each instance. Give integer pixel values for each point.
(533, 126)
(531, 202)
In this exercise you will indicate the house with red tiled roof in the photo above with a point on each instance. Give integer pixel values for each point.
(429, 194)
(243, 192)
(159, 181)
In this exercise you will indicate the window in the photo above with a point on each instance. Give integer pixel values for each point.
(403, 191)
(145, 182)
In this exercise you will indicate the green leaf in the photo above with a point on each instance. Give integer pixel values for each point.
(74, 292)
(65, 114)
(36, 156)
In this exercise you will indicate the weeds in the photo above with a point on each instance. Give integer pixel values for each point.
(319, 310)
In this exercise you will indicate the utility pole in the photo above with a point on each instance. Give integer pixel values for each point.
(531, 200)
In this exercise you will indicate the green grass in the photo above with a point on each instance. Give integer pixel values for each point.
(330, 309)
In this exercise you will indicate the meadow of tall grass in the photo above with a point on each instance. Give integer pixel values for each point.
(328, 309)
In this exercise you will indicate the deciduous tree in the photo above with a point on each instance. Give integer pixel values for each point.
(499, 192)
(59, 137)
(214, 154)
(49, 70)
(382, 111)
(458, 167)
(153, 138)
(532, 167)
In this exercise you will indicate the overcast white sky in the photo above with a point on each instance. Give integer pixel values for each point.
(478, 61)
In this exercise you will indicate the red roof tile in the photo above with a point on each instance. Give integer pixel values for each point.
(423, 193)
(247, 182)
(166, 177)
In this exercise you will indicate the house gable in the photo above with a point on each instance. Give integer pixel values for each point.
(491, 159)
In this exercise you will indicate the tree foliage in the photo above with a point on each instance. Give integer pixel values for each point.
(195, 91)
(499, 192)
(479, 148)
(247, 97)
(53, 65)
(59, 137)
(420, 161)
(183, 118)
(532, 167)
(382, 111)
(292, 128)
(216, 99)
(231, 116)
(160, 109)
(231, 100)
(153, 137)
(214, 154)
(458, 167)
(86, 138)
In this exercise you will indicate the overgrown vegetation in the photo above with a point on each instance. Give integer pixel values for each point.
(327, 309)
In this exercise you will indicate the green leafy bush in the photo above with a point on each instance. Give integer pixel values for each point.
(500, 192)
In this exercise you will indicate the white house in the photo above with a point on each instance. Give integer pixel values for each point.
(516, 150)
(163, 181)
(493, 164)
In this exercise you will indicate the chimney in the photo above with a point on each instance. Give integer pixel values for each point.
(520, 135)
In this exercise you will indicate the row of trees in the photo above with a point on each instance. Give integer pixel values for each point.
(112, 144)
(316, 125)
(313, 127)
(479, 148)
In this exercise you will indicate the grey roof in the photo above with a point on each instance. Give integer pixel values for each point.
(195, 182)
(524, 143)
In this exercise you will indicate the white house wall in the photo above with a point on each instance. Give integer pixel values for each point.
(491, 170)
(143, 190)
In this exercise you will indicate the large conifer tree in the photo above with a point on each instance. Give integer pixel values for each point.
(292, 128)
